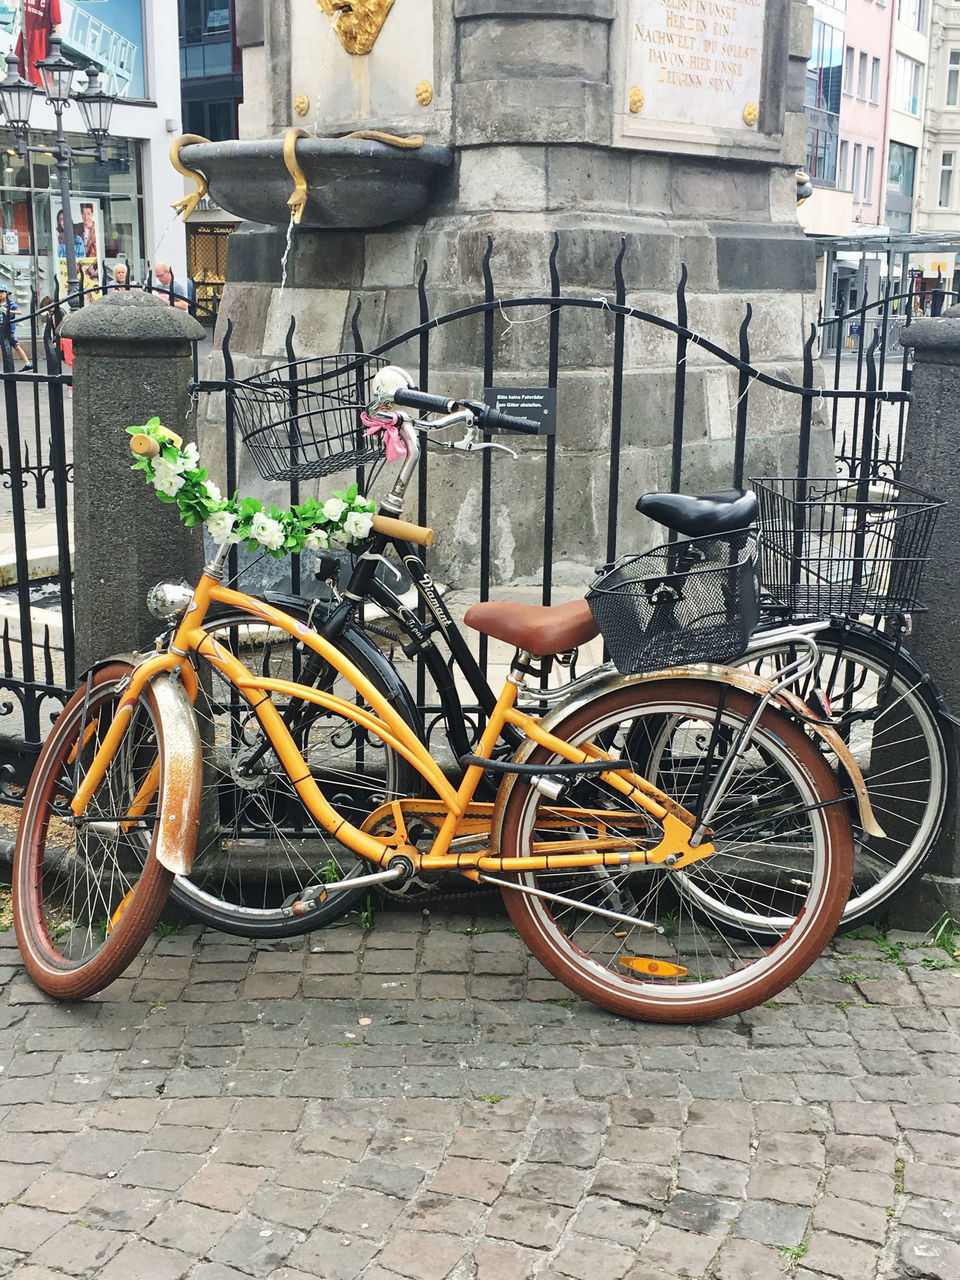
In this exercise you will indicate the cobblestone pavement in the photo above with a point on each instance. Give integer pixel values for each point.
(423, 1101)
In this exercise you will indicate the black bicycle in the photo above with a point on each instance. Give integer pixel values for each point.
(866, 685)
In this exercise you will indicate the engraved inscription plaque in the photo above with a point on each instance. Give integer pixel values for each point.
(696, 62)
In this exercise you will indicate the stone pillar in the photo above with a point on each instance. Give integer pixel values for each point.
(132, 363)
(932, 463)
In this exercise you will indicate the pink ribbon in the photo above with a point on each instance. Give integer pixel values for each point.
(389, 425)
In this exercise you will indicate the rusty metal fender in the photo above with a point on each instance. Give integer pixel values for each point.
(606, 679)
(177, 838)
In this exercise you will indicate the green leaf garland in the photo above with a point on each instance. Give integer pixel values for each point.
(314, 524)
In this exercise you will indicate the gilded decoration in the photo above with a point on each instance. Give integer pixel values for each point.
(636, 99)
(424, 93)
(301, 104)
(187, 205)
(357, 23)
(751, 114)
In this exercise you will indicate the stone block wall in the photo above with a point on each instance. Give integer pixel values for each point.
(528, 95)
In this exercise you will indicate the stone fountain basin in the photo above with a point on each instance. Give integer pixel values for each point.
(352, 182)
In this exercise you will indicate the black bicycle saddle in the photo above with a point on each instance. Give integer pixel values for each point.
(703, 516)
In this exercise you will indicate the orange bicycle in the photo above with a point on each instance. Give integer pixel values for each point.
(636, 811)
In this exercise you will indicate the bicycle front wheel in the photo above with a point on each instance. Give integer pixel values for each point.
(87, 891)
(889, 718)
(262, 848)
(644, 941)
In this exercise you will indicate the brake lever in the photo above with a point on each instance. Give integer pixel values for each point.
(469, 444)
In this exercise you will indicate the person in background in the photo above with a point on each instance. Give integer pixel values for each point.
(121, 277)
(165, 280)
(66, 344)
(9, 308)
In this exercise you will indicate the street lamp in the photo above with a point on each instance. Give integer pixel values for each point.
(16, 99)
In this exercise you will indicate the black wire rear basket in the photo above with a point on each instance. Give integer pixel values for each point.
(684, 603)
(844, 546)
(303, 419)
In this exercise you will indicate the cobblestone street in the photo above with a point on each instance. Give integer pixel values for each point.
(423, 1101)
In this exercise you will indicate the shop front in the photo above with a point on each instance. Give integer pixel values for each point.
(105, 219)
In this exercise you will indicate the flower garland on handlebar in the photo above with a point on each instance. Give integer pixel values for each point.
(316, 525)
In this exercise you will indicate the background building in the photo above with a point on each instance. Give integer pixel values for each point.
(128, 196)
(211, 90)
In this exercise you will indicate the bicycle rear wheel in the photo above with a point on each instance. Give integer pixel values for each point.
(87, 891)
(782, 834)
(901, 743)
(262, 848)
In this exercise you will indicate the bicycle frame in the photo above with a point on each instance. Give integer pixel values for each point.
(675, 848)
(364, 585)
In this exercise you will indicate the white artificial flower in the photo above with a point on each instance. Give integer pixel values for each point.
(269, 533)
(189, 457)
(220, 526)
(213, 494)
(316, 540)
(164, 469)
(167, 482)
(334, 508)
(358, 524)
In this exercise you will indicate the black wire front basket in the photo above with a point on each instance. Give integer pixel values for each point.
(303, 419)
(679, 604)
(844, 546)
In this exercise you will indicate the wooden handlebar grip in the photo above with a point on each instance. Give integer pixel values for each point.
(403, 530)
(144, 446)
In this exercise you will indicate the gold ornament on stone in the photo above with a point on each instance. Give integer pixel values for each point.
(636, 99)
(424, 93)
(298, 200)
(357, 23)
(187, 205)
(301, 104)
(751, 114)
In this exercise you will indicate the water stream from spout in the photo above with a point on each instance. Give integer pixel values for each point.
(170, 225)
(286, 255)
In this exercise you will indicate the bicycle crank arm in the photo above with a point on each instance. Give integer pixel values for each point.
(300, 904)
(633, 921)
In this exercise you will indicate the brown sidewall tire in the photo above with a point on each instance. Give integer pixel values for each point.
(799, 948)
(53, 974)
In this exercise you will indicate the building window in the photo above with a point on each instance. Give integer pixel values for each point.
(848, 71)
(907, 85)
(862, 76)
(953, 78)
(824, 69)
(206, 39)
(855, 175)
(844, 161)
(822, 155)
(875, 80)
(946, 180)
(901, 168)
(868, 175)
(211, 118)
(912, 12)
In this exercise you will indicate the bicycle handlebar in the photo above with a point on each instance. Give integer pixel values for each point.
(487, 418)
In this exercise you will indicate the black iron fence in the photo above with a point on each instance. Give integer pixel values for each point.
(867, 416)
